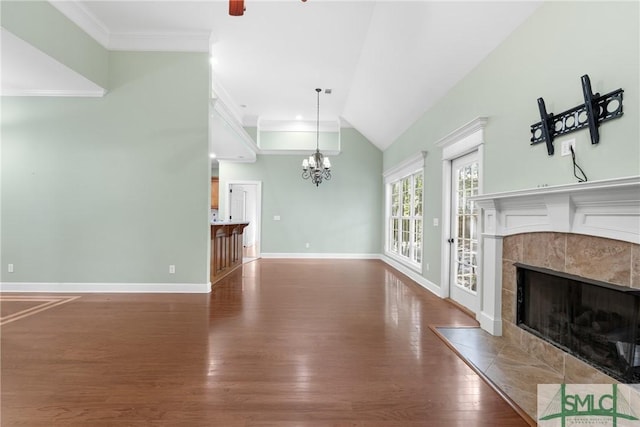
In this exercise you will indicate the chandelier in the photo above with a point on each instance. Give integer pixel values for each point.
(317, 167)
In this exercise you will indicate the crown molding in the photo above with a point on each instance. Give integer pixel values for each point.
(220, 97)
(229, 118)
(463, 132)
(84, 19)
(77, 13)
(408, 165)
(54, 93)
(267, 125)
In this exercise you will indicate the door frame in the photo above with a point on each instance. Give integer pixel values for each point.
(227, 199)
(463, 140)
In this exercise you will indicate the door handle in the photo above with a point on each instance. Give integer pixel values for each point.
(450, 240)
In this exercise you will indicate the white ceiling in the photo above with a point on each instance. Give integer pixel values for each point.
(386, 61)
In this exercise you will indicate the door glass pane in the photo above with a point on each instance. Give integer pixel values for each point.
(466, 220)
(461, 180)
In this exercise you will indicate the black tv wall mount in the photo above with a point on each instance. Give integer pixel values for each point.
(595, 110)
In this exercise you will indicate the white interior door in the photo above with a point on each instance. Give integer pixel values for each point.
(243, 207)
(238, 198)
(463, 279)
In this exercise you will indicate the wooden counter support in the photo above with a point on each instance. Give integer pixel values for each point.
(226, 249)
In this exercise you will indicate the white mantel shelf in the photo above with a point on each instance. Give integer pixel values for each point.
(607, 208)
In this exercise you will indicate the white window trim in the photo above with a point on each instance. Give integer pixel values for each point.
(406, 168)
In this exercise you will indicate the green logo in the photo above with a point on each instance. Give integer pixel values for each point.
(588, 404)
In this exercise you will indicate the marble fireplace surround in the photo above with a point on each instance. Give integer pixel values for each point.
(590, 229)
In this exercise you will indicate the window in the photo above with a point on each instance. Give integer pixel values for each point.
(403, 240)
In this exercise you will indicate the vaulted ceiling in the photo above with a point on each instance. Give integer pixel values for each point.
(387, 62)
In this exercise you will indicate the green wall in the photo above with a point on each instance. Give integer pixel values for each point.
(342, 215)
(545, 57)
(43, 26)
(112, 189)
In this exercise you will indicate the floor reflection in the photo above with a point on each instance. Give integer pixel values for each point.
(343, 339)
(403, 311)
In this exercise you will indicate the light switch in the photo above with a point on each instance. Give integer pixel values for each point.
(435, 222)
(276, 217)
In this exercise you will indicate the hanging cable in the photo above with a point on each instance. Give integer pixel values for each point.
(575, 166)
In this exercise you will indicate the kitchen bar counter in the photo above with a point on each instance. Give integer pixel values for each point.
(226, 248)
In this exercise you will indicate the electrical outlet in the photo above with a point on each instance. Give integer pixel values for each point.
(276, 217)
(306, 245)
(426, 266)
(436, 221)
(10, 268)
(172, 269)
(565, 150)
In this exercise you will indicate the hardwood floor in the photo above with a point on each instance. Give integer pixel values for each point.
(278, 343)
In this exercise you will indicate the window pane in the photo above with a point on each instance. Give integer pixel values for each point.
(417, 195)
(417, 248)
(395, 198)
(395, 204)
(405, 205)
(395, 237)
(406, 197)
(405, 238)
(395, 188)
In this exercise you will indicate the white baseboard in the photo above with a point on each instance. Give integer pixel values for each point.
(427, 284)
(489, 324)
(319, 256)
(175, 288)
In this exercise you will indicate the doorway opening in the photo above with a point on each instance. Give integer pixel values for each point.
(244, 203)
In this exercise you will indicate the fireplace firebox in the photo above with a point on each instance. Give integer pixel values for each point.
(592, 320)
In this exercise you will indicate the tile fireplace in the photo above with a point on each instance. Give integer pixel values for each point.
(592, 320)
(586, 233)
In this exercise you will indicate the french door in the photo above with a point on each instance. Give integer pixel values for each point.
(464, 231)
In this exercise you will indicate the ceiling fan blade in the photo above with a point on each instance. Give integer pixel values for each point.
(236, 7)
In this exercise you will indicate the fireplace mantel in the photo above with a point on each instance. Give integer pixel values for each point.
(608, 208)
